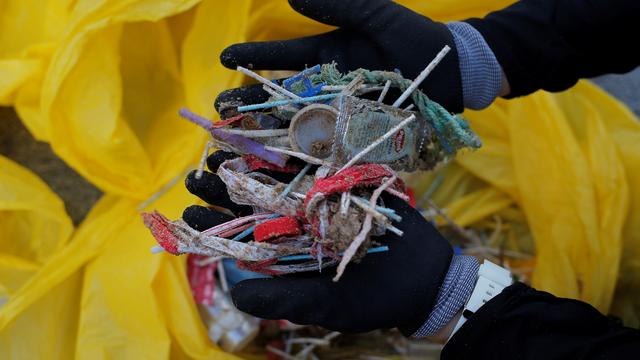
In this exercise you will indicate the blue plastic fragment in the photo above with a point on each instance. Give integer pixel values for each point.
(235, 274)
(303, 76)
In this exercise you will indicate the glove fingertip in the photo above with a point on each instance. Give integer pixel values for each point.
(201, 218)
(229, 56)
(256, 297)
(208, 187)
(217, 158)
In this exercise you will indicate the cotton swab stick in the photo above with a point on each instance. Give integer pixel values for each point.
(299, 155)
(267, 82)
(423, 75)
(203, 159)
(379, 141)
(387, 85)
(295, 180)
(287, 102)
(363, 87)
(272, 92)
(157, 249)
(258, 133)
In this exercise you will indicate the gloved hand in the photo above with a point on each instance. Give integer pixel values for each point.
(396, 288)
(372, 34)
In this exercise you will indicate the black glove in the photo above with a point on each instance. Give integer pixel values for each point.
(372, 34)
(396, 288)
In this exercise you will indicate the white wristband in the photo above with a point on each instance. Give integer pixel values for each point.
(492, 279)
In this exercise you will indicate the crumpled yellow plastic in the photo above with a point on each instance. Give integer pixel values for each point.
(103, 86)
(33, 227)
(565, 164)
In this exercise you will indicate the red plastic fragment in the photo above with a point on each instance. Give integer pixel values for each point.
(283, 226)
(412, 197)
(255, 163)
(258, 266)
(354, 176)
(229, 121)
(162, 230)
(201, 279)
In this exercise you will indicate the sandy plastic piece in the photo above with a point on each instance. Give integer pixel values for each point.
(176, 237)
(247, 190)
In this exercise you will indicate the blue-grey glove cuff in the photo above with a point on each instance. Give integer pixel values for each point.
(456, 289)
(480, 71)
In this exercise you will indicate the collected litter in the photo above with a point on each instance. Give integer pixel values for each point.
(342, 151)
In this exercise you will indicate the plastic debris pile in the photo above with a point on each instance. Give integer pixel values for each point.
(341, 151)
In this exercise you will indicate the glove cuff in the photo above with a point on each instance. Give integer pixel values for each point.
(454, 293)
(480, 71)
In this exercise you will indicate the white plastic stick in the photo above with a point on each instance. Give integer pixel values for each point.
(364, 232)
(203, 159)
(345, 201)
(267, 82)
(352, 86)
(360, 88)
(258, 133)
(272, 92)
(411, 106)
(379, 141)
(223, 277)
(423, 75)
(157, 249)
(385, 90)
(299, 155)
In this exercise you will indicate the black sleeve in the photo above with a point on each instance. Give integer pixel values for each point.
(550, 44)
(523, 323)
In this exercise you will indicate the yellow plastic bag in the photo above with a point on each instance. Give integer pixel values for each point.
(33, 224)
(29, 33)
(565, 162)
(110, 97)
(33, 227)
(105, 93)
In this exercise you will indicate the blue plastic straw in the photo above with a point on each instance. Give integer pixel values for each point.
(390, 213)
(287, 102)
(309, 257)
(295, 180)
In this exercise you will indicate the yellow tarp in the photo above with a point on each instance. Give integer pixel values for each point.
(33, 227)
(561, 165)
(101, 81)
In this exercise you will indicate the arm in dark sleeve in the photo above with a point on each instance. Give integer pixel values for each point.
(551, 44)
(523, 323)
